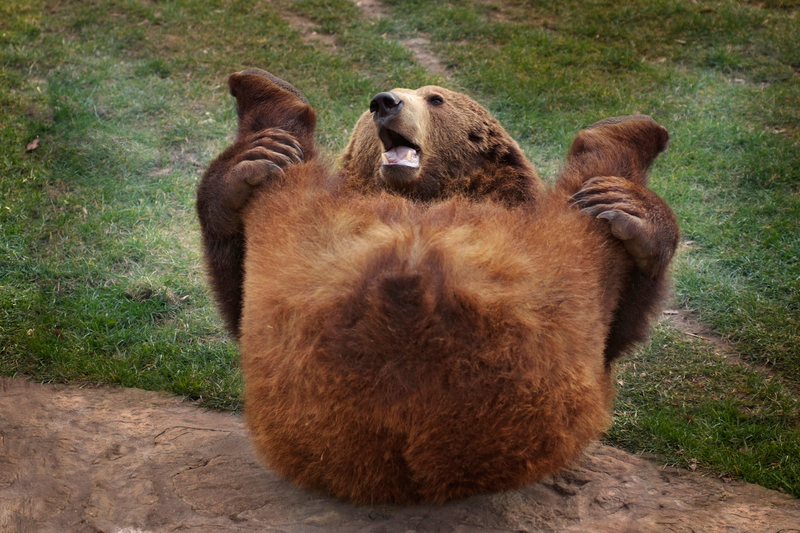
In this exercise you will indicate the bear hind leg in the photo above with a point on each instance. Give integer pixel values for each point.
(276, 130)
(618, 146)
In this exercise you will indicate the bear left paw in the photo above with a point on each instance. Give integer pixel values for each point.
(637, 216)
(266, 153)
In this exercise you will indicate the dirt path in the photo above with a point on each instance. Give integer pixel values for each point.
(124, 460)
(419, 45)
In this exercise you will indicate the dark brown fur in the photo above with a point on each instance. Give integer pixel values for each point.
(266, 142)
(437, 334)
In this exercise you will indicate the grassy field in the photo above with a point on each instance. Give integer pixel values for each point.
(125, 102)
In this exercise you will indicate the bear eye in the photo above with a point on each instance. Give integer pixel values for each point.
(435, 99)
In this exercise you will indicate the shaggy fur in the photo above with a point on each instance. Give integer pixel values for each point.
(424, 334)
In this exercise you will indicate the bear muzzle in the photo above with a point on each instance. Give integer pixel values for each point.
(384, 106)
(400, 150)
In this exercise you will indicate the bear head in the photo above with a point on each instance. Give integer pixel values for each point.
(432, 143)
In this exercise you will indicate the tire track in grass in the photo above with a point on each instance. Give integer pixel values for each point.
(684, 321)
(308, 31)
(689, 325)
(419, 45)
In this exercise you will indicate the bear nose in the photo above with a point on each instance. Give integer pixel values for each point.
(385, 105)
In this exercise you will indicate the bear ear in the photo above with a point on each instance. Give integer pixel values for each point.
(263, 100)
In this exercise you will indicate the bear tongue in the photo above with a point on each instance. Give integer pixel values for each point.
(401, 155)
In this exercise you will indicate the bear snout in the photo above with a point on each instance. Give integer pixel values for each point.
(385, 106)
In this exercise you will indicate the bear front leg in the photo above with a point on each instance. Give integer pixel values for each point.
(256, 159)
(229, 182)
(649, 232)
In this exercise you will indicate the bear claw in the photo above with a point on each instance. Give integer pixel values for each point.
(276, 143)
(271, 151)
(636, 216)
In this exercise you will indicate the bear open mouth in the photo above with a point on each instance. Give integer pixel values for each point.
(399, 150)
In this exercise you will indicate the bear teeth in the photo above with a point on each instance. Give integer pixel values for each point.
(402, 156)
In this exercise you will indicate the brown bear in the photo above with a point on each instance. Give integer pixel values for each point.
(428, 322)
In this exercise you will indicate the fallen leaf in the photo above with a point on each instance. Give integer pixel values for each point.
(33, 145)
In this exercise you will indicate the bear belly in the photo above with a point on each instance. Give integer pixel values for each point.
(421, 356)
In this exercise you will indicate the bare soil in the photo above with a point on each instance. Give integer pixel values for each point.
(125, 460)
(308, 31)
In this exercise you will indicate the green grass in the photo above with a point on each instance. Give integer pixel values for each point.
(100, 271)
(693, 408)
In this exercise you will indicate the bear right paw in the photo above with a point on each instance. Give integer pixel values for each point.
(637, 216)
(265, 154)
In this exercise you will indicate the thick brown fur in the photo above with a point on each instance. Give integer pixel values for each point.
(438, 333)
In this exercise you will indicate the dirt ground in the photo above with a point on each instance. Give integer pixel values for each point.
(129, 461)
